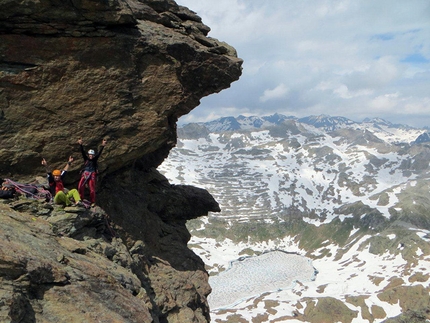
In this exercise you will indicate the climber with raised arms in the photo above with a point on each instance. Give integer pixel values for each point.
(90, 170)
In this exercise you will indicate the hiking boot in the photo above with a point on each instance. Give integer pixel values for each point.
(79, 204)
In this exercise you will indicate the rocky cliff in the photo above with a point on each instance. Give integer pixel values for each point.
(124, 70)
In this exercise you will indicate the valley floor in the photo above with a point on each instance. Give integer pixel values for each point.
(358, 286)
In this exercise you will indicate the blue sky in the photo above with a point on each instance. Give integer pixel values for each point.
(351, 58)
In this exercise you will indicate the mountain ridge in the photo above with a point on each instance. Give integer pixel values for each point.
(393, 132)
(323, 121)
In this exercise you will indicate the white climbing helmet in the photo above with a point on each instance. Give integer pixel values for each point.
(91, 152)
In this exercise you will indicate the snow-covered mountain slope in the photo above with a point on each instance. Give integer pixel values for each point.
(267, 172)
(337, 191)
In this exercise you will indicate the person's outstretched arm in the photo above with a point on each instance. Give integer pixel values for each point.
(44, 163)
(84, 155)
(48, 170)
(66, 168)
(104, 142)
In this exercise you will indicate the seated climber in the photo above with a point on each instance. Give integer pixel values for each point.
(59, 192)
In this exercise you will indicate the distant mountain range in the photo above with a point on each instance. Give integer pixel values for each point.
(324, 122)
(326, 186)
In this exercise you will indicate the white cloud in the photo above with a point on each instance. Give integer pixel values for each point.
(420, 107)
(253, 67)
(277, 93)
(345, 93)
(345, 56)
(385, 102)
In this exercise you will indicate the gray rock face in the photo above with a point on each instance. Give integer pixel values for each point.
(125, 71)
(70, 265)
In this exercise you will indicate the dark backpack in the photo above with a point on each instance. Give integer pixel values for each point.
(7, 192)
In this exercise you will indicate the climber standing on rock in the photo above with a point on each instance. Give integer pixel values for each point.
(90, 170)
(56, 187)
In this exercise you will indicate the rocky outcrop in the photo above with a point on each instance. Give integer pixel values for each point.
(71, 265)
(124, 70)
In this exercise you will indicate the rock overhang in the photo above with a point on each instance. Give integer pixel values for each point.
(124, 70)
